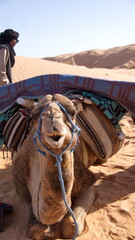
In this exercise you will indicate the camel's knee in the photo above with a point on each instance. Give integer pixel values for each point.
(84, 202)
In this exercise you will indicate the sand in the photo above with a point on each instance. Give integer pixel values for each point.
(112, 215)
(117, 57)
(30, 67)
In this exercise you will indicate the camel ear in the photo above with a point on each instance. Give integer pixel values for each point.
(25, 102)
(78, 105)
(79, 101)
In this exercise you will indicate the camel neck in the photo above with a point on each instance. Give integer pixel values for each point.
(49, 169)
(50, 194)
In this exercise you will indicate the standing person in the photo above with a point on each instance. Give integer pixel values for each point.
(8, 40)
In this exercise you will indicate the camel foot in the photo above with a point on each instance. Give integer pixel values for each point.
(68, 227)
(81, 207)
(39, 232)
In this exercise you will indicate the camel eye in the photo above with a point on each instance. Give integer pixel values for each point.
(72, 112)
(46, 114)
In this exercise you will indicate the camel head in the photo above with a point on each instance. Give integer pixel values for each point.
(55, 117)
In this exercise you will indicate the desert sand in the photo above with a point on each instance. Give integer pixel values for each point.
(117, 57)
(112, 215)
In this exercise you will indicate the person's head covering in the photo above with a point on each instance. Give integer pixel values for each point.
(8, 35)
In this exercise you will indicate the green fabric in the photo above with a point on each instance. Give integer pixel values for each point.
(112, 109)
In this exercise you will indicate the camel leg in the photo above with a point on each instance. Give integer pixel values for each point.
(81, 207)
(38, 231)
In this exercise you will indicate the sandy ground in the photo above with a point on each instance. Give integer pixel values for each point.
(30, 67)
(112, 215)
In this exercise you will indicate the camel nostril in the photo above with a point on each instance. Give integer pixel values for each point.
(55, 129)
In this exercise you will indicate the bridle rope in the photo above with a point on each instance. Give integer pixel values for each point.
(75, 129)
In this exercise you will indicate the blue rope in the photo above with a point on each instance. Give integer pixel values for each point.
(58, 157)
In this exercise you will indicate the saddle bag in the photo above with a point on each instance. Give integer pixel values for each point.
(15, 130)
(97, 131)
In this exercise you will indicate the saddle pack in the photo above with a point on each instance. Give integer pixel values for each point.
(97, 130)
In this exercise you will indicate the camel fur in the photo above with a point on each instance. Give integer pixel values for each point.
(36, 175)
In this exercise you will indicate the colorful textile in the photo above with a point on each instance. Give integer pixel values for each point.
(98, 132)
(10, 119)
(112, 109)
(120, 91)
(16, 129)
(4, 117)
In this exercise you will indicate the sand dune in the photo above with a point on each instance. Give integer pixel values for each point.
(112, 215)
(118, 57)
(30, 67)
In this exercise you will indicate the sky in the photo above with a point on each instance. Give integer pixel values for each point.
(54, 27)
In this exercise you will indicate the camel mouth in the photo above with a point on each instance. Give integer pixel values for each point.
(56, 138)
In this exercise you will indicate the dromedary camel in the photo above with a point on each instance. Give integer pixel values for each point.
(52, 134)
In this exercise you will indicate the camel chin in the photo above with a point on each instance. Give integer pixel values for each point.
(55, 141)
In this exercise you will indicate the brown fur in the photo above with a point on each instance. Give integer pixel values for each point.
(77, 178)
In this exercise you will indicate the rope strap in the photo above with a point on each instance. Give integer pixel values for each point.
(59, 159)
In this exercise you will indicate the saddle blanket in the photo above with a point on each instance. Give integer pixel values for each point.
(112, 97)
(36, 87)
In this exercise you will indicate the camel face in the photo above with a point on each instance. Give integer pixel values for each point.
(55, 127)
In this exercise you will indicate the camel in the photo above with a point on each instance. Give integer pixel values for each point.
(52, 132)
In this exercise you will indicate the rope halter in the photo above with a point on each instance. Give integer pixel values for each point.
(75, 129)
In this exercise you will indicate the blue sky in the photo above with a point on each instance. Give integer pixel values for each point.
(53, 27)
